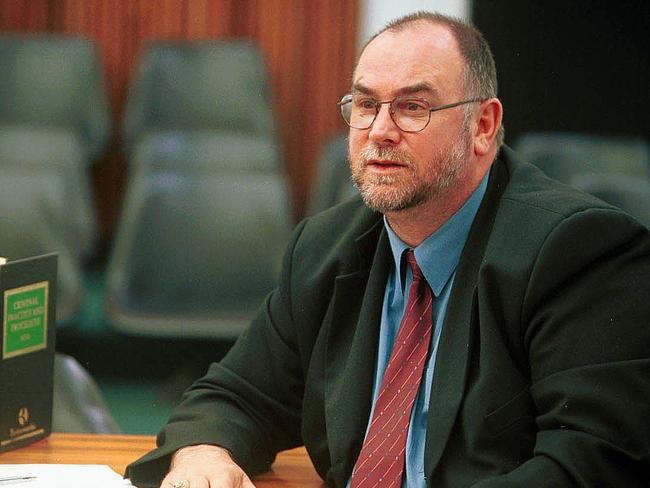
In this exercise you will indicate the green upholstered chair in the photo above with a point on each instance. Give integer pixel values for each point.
(54, 116)
(206, 215)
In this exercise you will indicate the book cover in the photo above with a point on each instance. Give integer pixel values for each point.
(28, 312)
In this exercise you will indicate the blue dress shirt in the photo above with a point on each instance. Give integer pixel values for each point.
(438, 257)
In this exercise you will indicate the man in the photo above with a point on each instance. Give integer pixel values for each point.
(525, 360)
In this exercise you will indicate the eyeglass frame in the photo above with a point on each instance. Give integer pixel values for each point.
(378, 103)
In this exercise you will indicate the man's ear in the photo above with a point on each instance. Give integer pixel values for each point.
(488, 122)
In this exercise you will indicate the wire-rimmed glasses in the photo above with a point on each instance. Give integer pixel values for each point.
(410, 114)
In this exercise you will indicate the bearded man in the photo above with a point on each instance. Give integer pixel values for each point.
(467, 322)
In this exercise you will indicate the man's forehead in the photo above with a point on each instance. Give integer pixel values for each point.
(419, 53)
(419, 88)
(436, 34)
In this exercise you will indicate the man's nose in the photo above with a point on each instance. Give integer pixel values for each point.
(383, 129)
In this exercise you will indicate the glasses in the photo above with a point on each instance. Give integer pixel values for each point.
(410, 114)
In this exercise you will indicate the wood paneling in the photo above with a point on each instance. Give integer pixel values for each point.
(309, 47)
(24, 15)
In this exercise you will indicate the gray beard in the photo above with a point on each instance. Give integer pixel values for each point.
(393, 193)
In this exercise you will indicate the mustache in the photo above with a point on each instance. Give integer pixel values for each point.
(371, 152)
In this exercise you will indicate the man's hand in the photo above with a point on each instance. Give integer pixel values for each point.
(205, 466)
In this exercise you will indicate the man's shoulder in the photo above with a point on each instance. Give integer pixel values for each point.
(532, 207)
(334, 237)
(346, 221)
(534, 192)
(336, 241)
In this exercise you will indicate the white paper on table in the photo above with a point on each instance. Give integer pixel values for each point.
(61, 476)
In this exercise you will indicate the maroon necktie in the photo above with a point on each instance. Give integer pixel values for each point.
(381, 460)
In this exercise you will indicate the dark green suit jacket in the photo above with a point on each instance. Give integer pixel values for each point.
(543, 371)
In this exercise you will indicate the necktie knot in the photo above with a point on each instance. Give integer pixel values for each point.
(413, 264)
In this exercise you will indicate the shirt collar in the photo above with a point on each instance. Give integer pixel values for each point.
(438, 255)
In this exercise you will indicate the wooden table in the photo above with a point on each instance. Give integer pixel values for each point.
(292, 469)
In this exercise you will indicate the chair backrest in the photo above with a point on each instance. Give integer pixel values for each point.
(55, 151)
(199, 85)
(626, 192)
(332, 184)
(31, 224)
(563, 155)
(195, 250)
(54, 81)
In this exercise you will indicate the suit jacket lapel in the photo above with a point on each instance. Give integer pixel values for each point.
(453, 351)
(352, 341)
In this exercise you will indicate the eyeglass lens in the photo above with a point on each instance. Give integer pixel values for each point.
(410, 114)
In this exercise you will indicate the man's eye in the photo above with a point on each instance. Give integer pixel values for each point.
(365, 103)
(414, 106)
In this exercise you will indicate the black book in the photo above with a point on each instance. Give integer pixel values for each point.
(28, 311)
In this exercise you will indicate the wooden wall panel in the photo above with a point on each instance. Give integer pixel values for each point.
(309, 48)
(25, 15)
(269, 25)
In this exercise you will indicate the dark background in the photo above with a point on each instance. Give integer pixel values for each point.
(579, 65)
